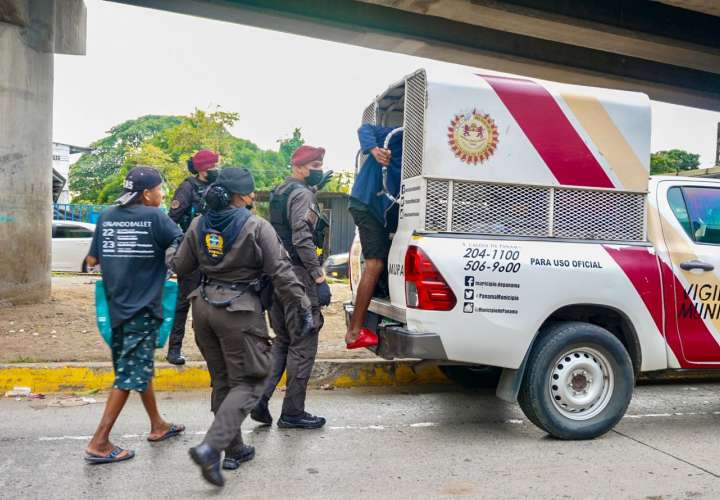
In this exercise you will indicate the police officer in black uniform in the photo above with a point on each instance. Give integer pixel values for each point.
(238, 254)
(295, 215)
(186, 204)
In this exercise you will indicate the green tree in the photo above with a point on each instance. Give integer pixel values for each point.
(200, 130)
(341, 182)
(90, 175)
(167, 143)
(290, 144)
(673, 161)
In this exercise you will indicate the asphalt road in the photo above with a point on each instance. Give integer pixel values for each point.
(390, 443)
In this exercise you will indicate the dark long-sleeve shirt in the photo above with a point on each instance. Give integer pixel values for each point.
(257, 251)
(186, 202)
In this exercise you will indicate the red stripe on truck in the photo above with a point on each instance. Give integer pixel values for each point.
(651, 277)
(550, 132)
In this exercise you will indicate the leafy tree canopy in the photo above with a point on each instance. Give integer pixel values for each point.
(166, 143)
(90, 175)
(673, 161)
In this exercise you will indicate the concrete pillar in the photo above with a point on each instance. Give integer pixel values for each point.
(30, 32)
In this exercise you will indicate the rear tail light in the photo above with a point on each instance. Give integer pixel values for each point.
(425, 288)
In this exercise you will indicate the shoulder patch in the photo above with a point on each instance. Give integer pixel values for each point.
(175, 204)
(215, 244)
(311, 217)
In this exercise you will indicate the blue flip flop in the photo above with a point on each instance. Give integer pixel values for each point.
(110, 458)
(174, 430)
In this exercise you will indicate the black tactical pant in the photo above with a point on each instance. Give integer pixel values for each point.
(292, 352)
(186, 284)
(236, 347)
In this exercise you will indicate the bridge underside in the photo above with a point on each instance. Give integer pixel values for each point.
(669, 49)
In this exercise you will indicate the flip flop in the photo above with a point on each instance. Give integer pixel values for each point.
(174, 430)
(110, 458)
(367, 338)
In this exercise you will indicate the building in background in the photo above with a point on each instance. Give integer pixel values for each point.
(62, 158)
(335, 208)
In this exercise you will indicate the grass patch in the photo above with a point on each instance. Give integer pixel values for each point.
(22, 359)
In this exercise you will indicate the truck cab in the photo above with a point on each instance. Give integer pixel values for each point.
(531, 240)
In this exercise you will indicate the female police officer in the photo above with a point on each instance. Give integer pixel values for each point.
(186, 204)
(236, 253)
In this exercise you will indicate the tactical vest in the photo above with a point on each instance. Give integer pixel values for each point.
(281, 223)
(197, 205)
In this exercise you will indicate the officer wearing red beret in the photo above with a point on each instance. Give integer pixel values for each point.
(186, 204)
(295, 215)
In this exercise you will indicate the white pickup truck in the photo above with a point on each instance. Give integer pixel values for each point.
(531, 239)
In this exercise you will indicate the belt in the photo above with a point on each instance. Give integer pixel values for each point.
(241, 287)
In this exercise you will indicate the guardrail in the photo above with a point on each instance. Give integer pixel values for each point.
(77, 212)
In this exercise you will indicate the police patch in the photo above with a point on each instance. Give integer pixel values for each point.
(175, 204)
(214, 244)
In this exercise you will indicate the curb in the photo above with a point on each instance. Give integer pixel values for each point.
(79, 377)
(341, 373)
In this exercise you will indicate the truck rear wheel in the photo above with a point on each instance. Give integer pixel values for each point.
(578, 382)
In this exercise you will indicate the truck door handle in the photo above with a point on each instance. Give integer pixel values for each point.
(689, 265)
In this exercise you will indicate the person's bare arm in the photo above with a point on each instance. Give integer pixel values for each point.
(91, 261)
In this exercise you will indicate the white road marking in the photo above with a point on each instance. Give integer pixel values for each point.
(62, 438)
(418, 425)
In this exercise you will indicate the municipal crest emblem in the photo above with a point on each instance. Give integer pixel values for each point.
(473, 137)
(215, 244)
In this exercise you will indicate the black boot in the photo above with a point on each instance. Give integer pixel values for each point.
(304, 421)
(261, 413)
(208, 460)
(175, 357)
(233, 459)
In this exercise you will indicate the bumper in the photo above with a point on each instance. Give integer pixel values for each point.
(398, 342)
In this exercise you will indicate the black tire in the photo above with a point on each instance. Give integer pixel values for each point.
(84, 268)
(473, 377)
(536, 393)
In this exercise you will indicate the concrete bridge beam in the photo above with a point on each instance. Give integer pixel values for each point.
(31, 31)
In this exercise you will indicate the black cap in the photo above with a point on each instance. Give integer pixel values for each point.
(236, 180)
(136, 181)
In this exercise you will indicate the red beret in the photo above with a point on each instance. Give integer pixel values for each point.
(204, 160)
(305, 154)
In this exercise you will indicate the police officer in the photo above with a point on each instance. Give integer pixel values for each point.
(238, 254)
(186, 204)
(295, 215)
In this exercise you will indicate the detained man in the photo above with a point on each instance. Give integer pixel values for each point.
(376, 217)
(129, 243)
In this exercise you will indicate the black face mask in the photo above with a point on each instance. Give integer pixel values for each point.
(314, 178)
(212, 176)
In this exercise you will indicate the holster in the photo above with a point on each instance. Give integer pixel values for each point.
(261, 288)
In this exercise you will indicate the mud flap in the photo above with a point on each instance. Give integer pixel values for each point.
(510, 380)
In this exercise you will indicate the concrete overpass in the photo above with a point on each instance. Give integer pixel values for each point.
(669, 49)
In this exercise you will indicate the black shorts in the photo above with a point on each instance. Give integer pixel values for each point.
(374, 237)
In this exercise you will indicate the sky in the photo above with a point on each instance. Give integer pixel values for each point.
(141, 61)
